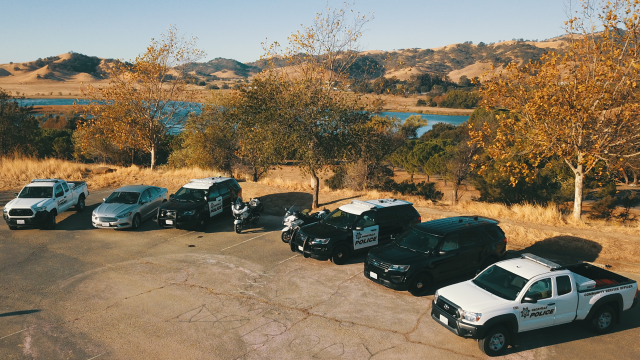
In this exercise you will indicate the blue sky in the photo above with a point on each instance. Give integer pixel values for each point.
(31, 29)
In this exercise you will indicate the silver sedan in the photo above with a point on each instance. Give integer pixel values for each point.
(128, 206)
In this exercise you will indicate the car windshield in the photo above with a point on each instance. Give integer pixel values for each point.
(123, 197)
(35, 192)
(340, 219)
(501, 282)
(186, 194)
(415, 239)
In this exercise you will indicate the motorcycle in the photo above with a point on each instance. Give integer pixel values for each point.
(245, 213)
(294, 218)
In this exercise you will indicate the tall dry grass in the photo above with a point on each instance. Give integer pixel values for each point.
(17, 170)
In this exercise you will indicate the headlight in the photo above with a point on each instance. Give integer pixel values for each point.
(435, 297)
(190, 212)
(320, 241)
(401, 268)
(470, 316)
(124, 215)
(40, 208)
(4, 210)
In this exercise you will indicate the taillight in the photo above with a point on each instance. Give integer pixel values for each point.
(638, 290)
(505, 240)
(419, 218)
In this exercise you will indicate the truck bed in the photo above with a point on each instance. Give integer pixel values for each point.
(75, 184)
(603, 278)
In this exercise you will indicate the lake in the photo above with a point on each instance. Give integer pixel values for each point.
(431, 119)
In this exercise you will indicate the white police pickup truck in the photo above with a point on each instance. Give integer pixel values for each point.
(528, 293)
(39, 202)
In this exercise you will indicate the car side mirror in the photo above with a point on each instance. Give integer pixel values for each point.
(142, 202)
(529, 300)
(16, 194)
(206, 198)
(393, 236)
(104, 199)
(171, 196)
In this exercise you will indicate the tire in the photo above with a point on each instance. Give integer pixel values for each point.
(135, 223)
(237, 228)
(202, 223)
(51, 221)
(286, 236)
(495, 342)
(603, 320)
(340, 255)
(419, 284)
(13, 227)
(80, 205)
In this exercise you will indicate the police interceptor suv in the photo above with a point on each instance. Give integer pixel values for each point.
(355, 227)
(198, 201)
(529, 293)
(436, 250)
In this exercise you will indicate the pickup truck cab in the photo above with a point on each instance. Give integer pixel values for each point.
(528, 293)
(39, 202)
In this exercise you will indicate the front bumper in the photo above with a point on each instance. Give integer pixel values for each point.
(454, 325)
(117, 224)
(393, 280)
(308, 250)
(36, 220)
(180, 221)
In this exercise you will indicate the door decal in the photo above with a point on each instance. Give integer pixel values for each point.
(215, 206)
(365, 237)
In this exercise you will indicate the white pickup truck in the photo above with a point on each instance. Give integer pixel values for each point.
(40, 201)
(528, 293)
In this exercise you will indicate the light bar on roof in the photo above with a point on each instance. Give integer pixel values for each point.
(544, 262)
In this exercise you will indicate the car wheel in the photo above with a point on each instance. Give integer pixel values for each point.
(202, 223)
(51, 221)
(237, 228)
(419, 284)
(80, 205)
(286, 236)
(13, 227)
(603, 320)
(495, 342)
(339, 255)
(135, 224)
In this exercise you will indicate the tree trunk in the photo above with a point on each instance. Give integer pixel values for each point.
(255, 174)
(153, 156)
(411, 178)
(579, 185)
(626, 178)
(428, 178)
(316, 190)
(454, 195)
(635, 177)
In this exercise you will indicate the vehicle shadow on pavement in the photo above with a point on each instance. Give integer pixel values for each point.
(274, 204)
(22, 312)
(571, 332)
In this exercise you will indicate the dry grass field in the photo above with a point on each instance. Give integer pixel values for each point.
(527, 226)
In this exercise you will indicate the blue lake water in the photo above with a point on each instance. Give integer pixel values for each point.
(431, 119)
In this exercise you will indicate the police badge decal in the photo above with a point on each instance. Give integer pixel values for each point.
(525, 312)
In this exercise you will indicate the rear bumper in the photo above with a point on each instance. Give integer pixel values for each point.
(454, 325)
(181, 222)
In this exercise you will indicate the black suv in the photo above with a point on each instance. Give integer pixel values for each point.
(355, 227)
(435, 250)
(196, 202)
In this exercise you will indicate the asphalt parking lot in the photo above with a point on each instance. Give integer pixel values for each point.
(83, 293)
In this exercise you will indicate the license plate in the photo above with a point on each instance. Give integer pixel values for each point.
(300, 248)
(20, 222)
(105, 224)
(373, 275)
(444, 319)
(169, 222)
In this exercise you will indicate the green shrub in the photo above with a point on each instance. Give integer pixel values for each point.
(603, 209)
(336, 181)
(427, 190)
(421, 102)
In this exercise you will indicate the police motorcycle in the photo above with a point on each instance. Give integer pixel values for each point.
(245, 213)
(294, 218)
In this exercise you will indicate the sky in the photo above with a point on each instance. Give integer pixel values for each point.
(122, 29)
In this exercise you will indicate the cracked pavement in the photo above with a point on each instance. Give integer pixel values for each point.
(83, 293)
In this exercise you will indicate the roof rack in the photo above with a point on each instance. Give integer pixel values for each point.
(544, 262)
(45, 180)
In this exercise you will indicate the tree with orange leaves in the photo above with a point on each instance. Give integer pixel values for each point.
(582, 106)
(144, 100)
